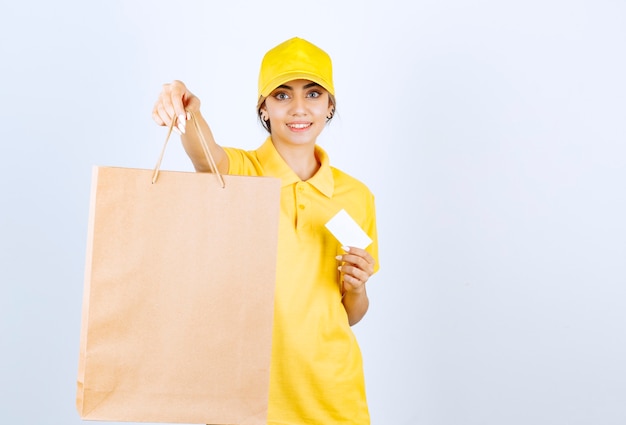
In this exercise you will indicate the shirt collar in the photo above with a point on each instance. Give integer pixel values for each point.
(322, 180)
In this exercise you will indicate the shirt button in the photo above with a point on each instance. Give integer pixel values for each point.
(301, 188)
(301, 206)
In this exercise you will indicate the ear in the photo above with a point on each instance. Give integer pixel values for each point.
(263, 113)
(331, 111)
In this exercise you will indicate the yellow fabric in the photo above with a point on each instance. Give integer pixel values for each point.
(295, 59)
(316, 370)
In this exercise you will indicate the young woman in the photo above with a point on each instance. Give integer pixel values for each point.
(316, 374)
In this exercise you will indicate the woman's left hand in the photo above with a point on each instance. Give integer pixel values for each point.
(357, 265)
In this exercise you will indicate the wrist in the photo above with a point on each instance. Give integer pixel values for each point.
(354, 291)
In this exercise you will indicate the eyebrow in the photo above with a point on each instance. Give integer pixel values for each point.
(308, 86)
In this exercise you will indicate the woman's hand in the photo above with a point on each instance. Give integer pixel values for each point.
(357, 265)
(174, 100)
(177, 102)
(356, 268)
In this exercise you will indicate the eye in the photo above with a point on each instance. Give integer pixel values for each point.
(314, 94)
(281, 95)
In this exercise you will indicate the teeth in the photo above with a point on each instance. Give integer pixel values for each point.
(298, 125)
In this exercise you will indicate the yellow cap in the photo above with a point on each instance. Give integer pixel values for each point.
(292, 60)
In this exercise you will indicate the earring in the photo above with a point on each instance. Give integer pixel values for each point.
(264, 117)
(330, 116)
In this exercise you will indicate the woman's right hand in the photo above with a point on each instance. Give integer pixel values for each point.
(174, 101)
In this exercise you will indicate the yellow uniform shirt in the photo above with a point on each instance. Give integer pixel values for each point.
(316, 372)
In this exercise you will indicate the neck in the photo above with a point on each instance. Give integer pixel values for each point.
(300, 158)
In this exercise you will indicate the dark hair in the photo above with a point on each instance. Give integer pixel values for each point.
(266, 124)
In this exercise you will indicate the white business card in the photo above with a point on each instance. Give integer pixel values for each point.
(347, 231)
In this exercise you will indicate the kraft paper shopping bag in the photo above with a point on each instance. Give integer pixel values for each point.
(178, 297)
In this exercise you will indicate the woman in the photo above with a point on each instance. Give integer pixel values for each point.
(316, 373)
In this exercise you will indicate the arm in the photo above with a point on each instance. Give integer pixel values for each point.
(176, 100)
(357, 267)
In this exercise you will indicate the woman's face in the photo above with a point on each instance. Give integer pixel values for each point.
(297, 111)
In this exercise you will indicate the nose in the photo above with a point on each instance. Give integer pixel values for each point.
(298, 106)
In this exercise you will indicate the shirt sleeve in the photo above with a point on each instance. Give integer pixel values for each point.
(242, 163)
(369, 226)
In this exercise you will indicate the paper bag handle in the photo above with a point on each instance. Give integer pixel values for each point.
(203, 143)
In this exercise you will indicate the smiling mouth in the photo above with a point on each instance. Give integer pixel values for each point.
(299, 126)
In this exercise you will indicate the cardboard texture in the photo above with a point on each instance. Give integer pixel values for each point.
(178, 298)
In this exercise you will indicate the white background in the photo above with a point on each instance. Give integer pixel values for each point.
(492, 133)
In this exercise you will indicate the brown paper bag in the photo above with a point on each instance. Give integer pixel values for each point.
(178, 298)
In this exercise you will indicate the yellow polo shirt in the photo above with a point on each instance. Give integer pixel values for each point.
(316, 372)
